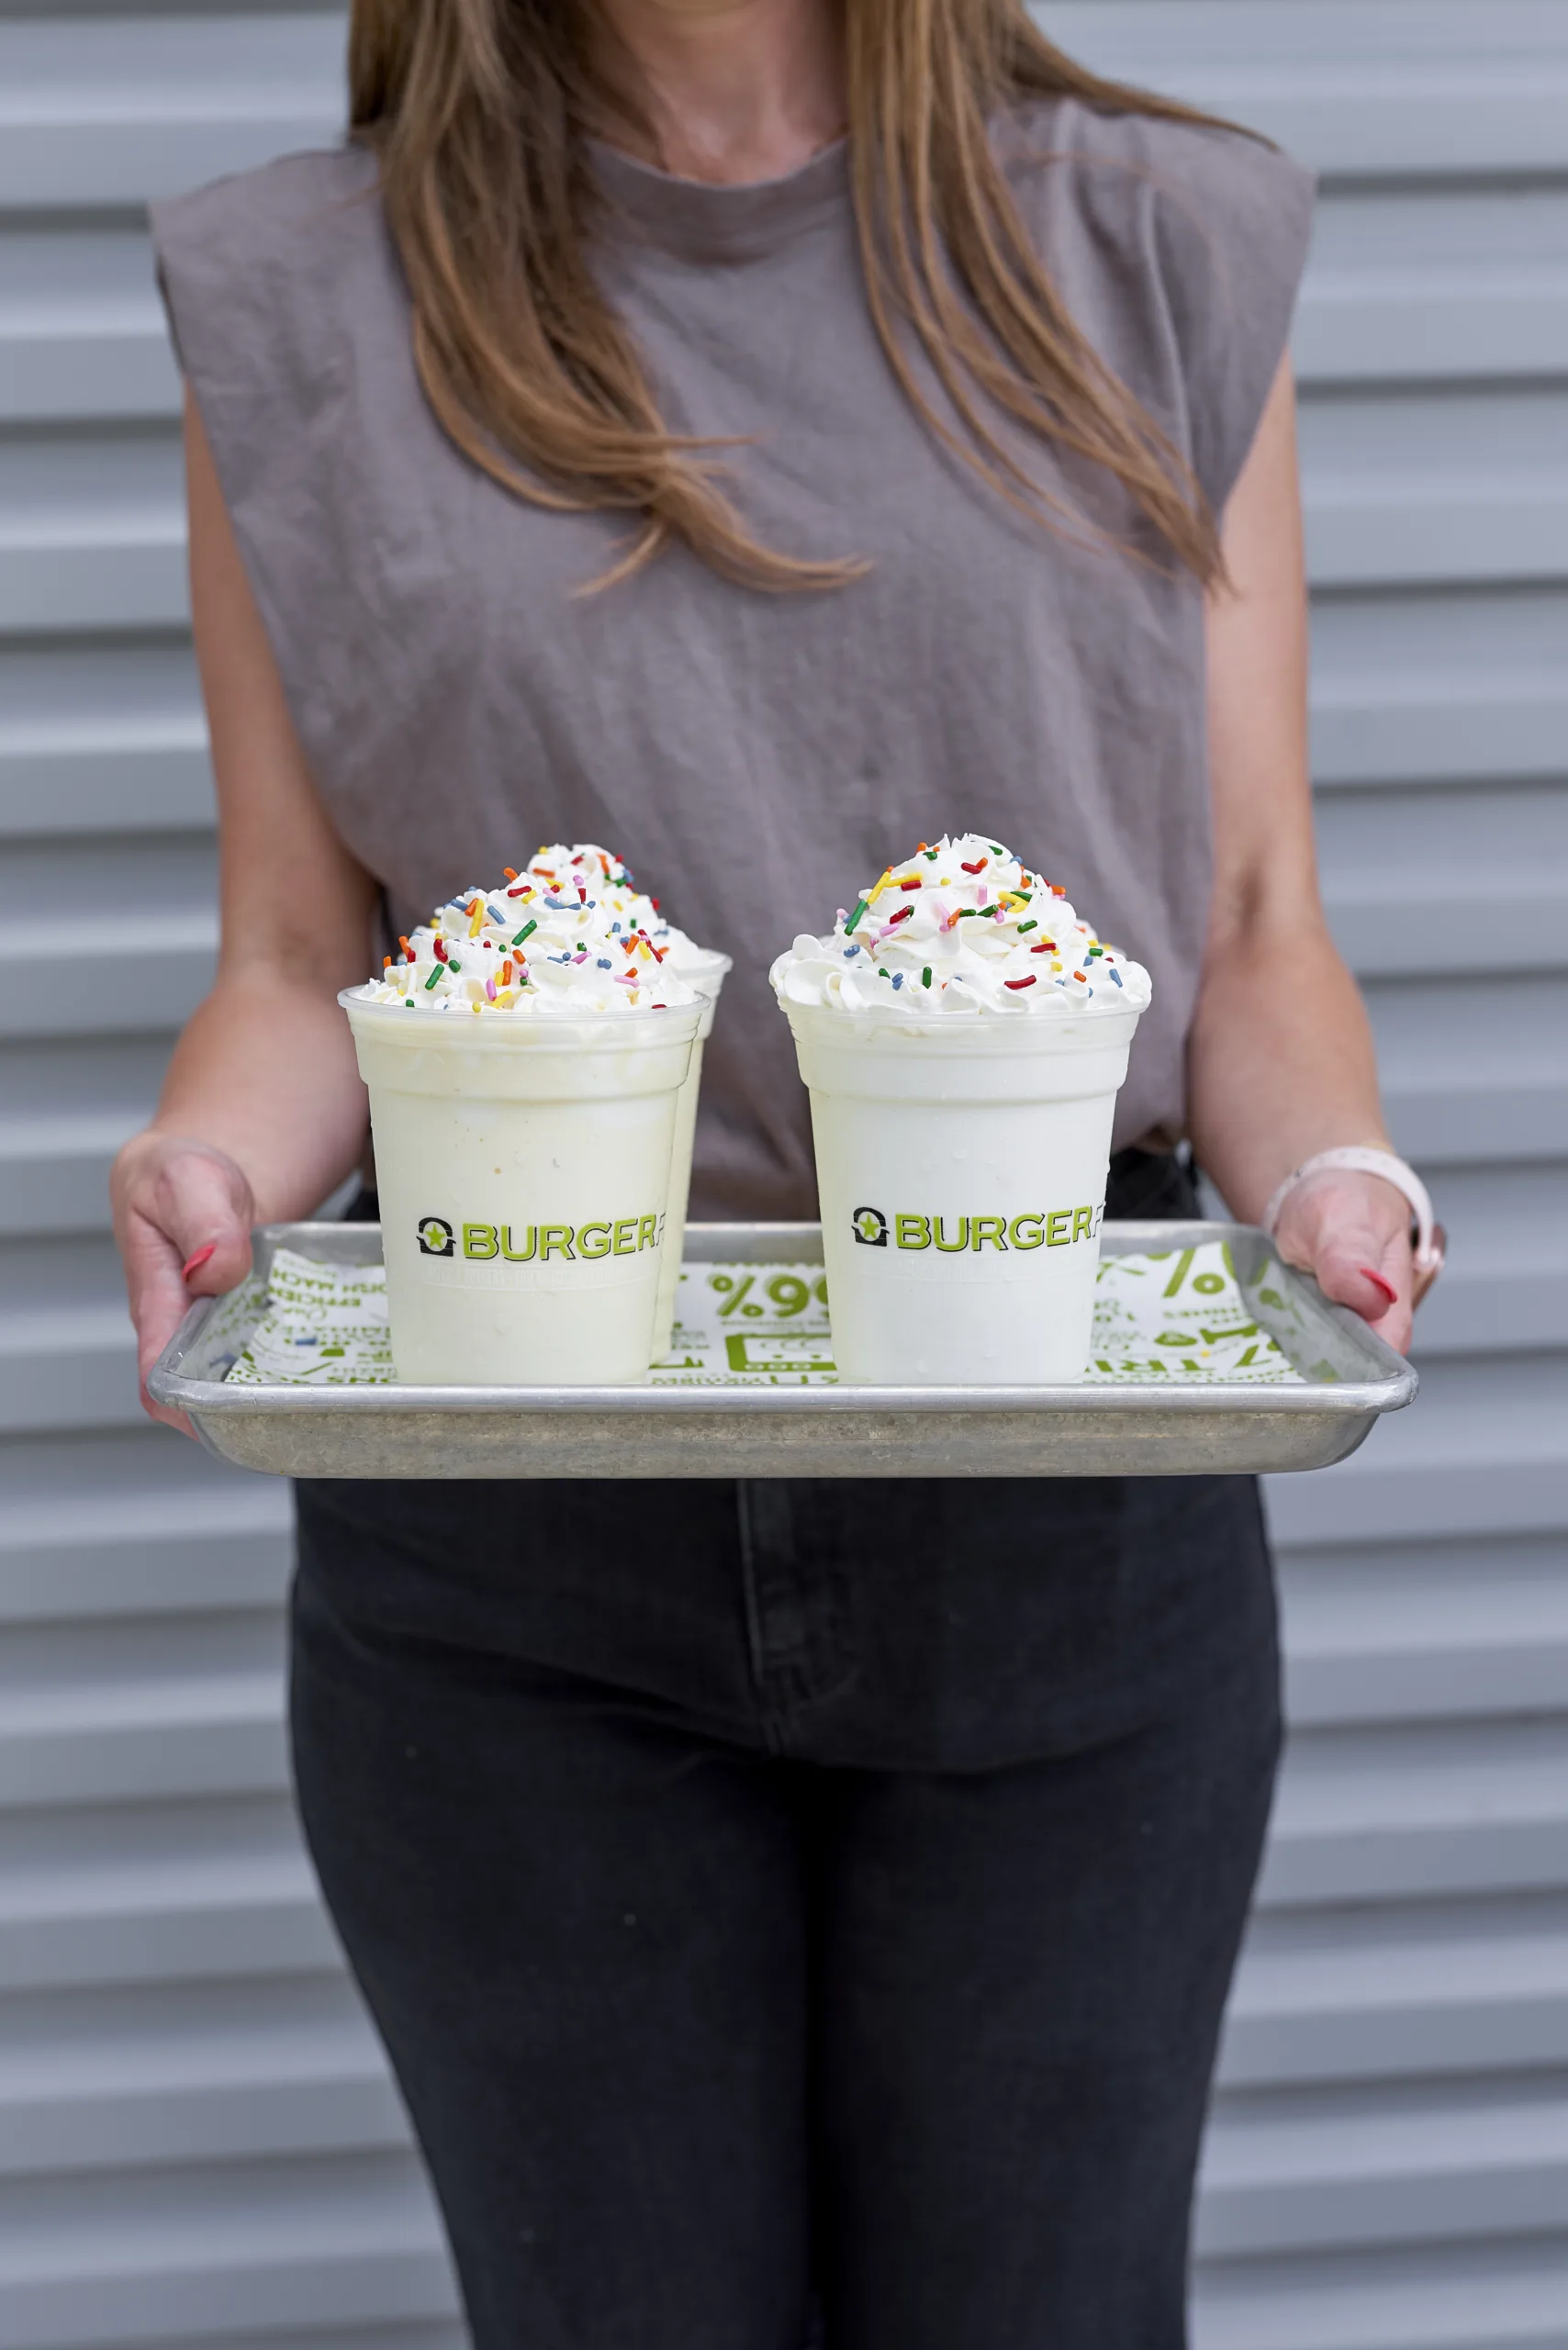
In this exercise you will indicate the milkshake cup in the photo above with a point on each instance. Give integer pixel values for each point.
(962, 1137)
(706, 974)
(961, 1173)
(523, 1173)
(525, 1057)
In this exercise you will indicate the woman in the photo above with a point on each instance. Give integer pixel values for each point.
(759, 434)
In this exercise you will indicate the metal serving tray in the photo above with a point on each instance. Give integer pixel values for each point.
(1150, 1430)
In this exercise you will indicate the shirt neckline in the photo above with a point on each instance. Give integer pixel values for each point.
(710, 220)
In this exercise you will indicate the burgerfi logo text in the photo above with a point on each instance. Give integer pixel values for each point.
(527, 1244)
(1049, 1229)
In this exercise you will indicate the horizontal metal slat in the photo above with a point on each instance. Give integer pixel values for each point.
(1470, 1069)
(68, 1104)
(1373, 1993)
(67, 155)
(1508, 1487)
(139, 1523)
(387, 2333)
(1419, 1810)
(223, 1734)
(1402, 326)
(1414, 687)
(161, 2256)
(1472, 851)
(1382, 731)
(1499, 1119)
(1413, 925)
(1128, 33)
(1355, 122)
(1358, 94)
(1430, 1631)
(163, 1892)
(98, 584)
(142, 107)
(174, 958)
(91, 531)
(117, 1711)
(81, 330)
(1484, 1451)
(1400, 537)
(170, 1932)
(103, 739)
(1287, 2174)
(54, 1173)
(107, 780)
(229, 1551)
(1468, 2296)
(87, 370)
(258, 2094)
(72, 1367)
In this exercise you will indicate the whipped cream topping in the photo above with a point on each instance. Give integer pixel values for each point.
(960, 929)
(609, 878)
(536, 946)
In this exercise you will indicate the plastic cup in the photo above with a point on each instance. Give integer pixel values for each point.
(524, 1170)
(706, 973)
(962, 1172)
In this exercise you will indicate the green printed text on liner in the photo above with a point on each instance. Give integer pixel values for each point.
(524, 1243)
(1042, 1228)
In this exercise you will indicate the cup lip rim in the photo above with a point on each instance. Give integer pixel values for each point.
(587, 1027)
(876, 1028)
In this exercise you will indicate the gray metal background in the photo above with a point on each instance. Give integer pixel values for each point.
(197, 2142)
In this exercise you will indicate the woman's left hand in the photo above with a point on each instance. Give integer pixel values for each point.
(1352, 1232)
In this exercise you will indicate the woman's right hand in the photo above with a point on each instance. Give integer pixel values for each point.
(183, 1214)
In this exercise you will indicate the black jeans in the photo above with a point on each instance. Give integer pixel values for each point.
(795, 1892)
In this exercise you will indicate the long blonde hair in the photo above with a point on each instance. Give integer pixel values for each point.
(477, 112)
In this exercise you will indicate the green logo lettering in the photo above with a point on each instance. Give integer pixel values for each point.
(988, 1227)
(478, 1240)
(1027, 1232)
(914, 1231)
(593, 1240)
(555, 1239)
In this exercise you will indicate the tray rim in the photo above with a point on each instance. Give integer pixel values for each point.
(1337, 1399)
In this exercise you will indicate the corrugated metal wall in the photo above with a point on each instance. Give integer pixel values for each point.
(197, 2142)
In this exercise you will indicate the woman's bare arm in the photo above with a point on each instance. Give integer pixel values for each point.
(263, 1111)
(1281, 1058)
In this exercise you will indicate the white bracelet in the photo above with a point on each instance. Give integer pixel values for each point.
(1426, 1233)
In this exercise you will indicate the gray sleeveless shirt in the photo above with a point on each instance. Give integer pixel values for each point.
(755, 757)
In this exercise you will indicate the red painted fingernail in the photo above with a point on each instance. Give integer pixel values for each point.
(1365, 1271)
(194, 1264)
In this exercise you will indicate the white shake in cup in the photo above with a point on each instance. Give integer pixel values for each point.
(701, 967)
(963, 1035)
(525, 1066)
